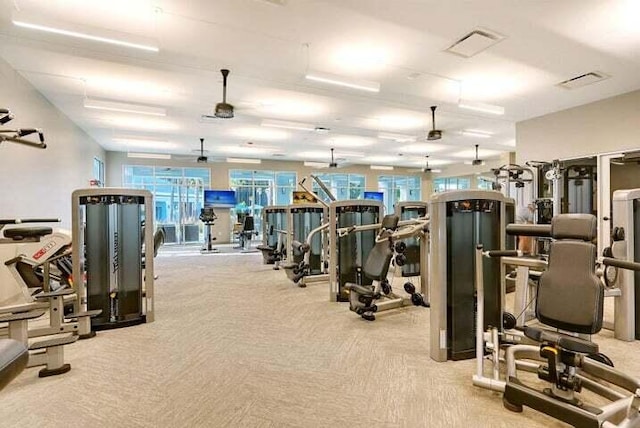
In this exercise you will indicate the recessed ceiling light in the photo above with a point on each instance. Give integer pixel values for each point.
(144, 143)
(349, 141)
(315, 164)
(148, 156)
(476, 133)
(123, 107)
(84, 36)
(424, 148)
(260, 134)
(347, 82)
(477, 106)
(288, 125)
(243, 160)
(400, 138)
(381, 167)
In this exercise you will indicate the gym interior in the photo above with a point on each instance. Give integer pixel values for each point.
(285, 213)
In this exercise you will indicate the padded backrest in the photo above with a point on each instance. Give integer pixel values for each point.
(390, 222)
(574, 226)
(377, 265)
(158, 240)
(570, 295)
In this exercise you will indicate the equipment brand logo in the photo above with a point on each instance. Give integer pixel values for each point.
(44, 250)
(115, 253)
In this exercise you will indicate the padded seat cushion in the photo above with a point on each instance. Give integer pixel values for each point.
(13, 359)
(19, 233)
(569, 343)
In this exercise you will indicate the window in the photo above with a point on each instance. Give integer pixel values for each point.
(258, 189)
(98, 172)
(178, 195)
(451, 183)
(398, 188)
(485, 183)
(343, 186)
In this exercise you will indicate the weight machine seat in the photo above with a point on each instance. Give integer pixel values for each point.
(563, 341)
(20, 233)
(13, 359)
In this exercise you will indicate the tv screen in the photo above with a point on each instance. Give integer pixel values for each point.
(219, 198)
(377, 196)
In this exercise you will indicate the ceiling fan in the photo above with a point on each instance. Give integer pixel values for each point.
(201, 155)
(426, 168)
(434, 134)
(477, 161)
(223, 110)
(334, 163)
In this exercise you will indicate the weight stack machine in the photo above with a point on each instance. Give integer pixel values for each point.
(415, 252)
(110, 269)
(348, 253)
(460, 220)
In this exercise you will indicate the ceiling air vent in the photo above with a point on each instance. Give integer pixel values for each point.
(583, 80)
(474, 43)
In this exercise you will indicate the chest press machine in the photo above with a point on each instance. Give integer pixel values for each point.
(569, 304)
(365, 300)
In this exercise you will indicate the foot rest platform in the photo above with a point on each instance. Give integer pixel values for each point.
(62, 292)
(92, 313)
(516, 394)
(19, 316)
(56, 341)
(364, 290)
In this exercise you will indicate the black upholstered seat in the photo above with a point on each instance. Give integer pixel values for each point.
(570, 343)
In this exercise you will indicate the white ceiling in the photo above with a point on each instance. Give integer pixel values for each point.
(269, 49)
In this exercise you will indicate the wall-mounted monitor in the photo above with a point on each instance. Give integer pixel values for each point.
(219, 198)
(376, 196)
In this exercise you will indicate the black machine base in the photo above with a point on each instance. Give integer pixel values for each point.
(98, 326)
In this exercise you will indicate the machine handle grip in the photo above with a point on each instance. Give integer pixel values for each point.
(539, 230)
(503, 253)
(29, 220)
(623, 264)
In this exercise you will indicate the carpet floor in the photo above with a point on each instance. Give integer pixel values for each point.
(235, 344)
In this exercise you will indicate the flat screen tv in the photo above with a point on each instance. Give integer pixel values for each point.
(219, 198)
(377, 196)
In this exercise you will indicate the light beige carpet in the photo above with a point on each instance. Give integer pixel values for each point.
(237, 345)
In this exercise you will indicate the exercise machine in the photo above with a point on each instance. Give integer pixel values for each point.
(274, 235)
(26, 295)
(389, 248)
(459, 220)
(349, 252)
(17, 135)
(208, 217)
(307, 243)
(569, 300)
(625, 237)
(108, 239)
(414, 251)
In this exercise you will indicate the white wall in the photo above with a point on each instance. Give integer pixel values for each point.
(608, 125)
(33, 182)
